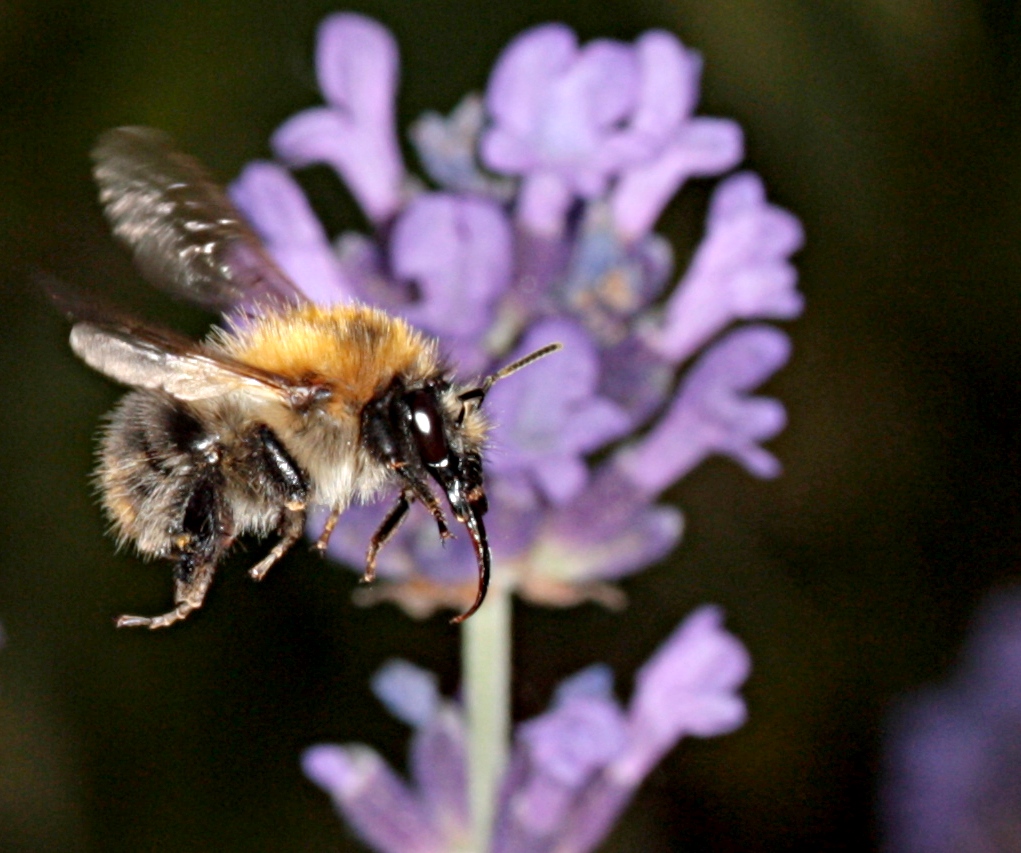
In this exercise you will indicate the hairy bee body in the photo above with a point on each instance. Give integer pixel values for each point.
(290, 405)
(159, 455)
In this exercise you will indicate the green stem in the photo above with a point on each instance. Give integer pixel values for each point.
(485, 682)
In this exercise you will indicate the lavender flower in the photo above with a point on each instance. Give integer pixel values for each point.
(539, 228)
(548, 187)
(954, 749)
(572, 770)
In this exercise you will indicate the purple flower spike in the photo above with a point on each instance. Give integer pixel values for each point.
(357, 65)
(493, 266)
(278, 210)
(575, 768)
(375, 802)
(741, 270)
(712, 414)
(550, 415)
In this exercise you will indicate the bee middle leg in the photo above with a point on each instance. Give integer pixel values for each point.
(384, 533)
(323, 542)
(292, 525)
(281, 477)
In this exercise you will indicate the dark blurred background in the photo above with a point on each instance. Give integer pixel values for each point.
(891, 127)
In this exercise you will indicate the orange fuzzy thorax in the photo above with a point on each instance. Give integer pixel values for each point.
(353, 349)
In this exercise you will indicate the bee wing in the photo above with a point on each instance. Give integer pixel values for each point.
(187, 237)
(146, 357)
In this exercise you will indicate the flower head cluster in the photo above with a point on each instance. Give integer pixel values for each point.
(952, 782)
(540, 230)
(571, 771)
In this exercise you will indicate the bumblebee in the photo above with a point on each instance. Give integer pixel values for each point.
(287, 406)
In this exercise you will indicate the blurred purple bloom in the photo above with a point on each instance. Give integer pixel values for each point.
(569, 119)
(291, 232)
(951, 782)
(741, 271)
(572, 770)
(357, 67)
(540, 230)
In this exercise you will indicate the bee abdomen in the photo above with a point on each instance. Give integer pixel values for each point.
(159, 474)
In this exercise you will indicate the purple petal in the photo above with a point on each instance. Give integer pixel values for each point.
(689, 687)
(549, 415)
(437, 763)
(636, 378)
(703, 148)
(740, 271)
(447, 147)
(594, 815)
(609, 530)
(712, 413)
(376, 804)
(669, 83)
(357, 64)
(544, 200)
(457, 251)
(526, 64)
(575, 738)
(556, 114)
(565, 748)
(665, 95)
(592, 682)
(941, 761)
(409, 692)
(278, 210)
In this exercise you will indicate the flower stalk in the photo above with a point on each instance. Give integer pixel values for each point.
(485, 686)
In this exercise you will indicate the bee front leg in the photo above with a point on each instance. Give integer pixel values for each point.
(384, 533)
(292, 525)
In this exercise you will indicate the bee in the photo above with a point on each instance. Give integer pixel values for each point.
(288, 405)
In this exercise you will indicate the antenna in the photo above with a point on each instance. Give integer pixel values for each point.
(487, 383)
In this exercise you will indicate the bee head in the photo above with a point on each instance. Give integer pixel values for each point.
(434, 431)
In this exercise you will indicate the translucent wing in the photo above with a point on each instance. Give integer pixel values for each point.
(147, 357)
(187, 237)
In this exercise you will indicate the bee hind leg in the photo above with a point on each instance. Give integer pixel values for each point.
(206, 532)
(292, 525)
(191, 584)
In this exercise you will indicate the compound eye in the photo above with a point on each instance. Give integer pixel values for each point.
(427, 427)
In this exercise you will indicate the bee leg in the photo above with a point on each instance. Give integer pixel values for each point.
(281, 473)
(324, 538)
(292, 525)
(206, 532)
(191, 586)
(420, 490)
(384, 533)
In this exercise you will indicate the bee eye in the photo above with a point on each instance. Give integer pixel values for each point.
(427, 427)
